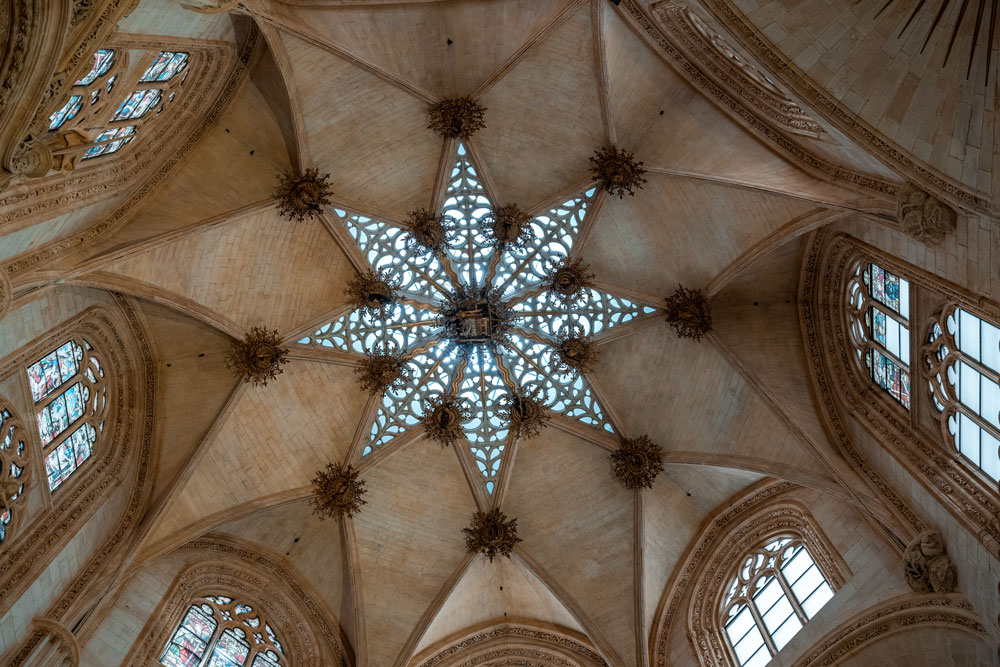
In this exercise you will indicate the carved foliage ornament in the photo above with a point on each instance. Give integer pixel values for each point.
(428, 231)
(382, 370)
(374, 292)
(689, 313)
(923, 216)
(617, 171)
(443, 418)
(568, 279)
(301, 197)
(258, 357)
(523, 412)
(637, 462)
(338, 491)
(577, 353)
(506, 227)
(491, 534)
(927, 566)
(456, 118)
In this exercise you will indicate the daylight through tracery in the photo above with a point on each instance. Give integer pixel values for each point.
(477, 319)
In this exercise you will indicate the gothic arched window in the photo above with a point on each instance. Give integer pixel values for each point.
(218, 631)
(963, 362)
(70, 396)
(776, 590)
(13, 458)
(108, 107)
(880, 327)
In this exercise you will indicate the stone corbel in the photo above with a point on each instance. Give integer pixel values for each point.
(927, 566)
(923, 216)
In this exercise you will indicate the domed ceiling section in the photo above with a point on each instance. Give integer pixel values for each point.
(553, 77)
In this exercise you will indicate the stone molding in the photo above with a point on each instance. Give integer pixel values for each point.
(500, 643)
(248, 575)
(887, 152)
(94, 183)
(906, 612)
(741, 108)
(843, 389)
(765, 510)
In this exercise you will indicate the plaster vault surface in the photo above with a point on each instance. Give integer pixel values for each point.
(721, 211)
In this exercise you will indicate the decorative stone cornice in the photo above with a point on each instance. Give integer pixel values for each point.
(456, 118)
(443, 418)
(304, 196)
(568, 280)
(257, 358)
(923, 216)
(491, 534)
(617, 171)
(338, 491)
(689, 313)
(637, 462)
(927, 566)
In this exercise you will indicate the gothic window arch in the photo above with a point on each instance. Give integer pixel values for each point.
(14, 473)
(879, 311)
(70, 395)
(114, 103)
(219, 631)
(962, 357)
(776, 590)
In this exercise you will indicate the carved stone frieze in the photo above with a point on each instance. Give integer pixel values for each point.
(617, 171)
(338, 491)
(637, 462)
(927, 566)
(923, 216)
(257, 358)
(456, 118)
(301, 197)
(491, 534)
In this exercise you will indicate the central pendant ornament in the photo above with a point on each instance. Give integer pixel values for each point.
(477, 317)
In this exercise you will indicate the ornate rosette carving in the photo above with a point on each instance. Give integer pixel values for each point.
(507, 227)
(301, 197)
(338, 491)
(617, 171)
(491, 534)
(523, 412)
(477, 317)
(443, 418)
(382, 370)
(927, 566)
(577, 353)
(428, 232)
(923, 216)
(456, 118)
(374, 292)
(637, 462)
(258, 357)
(568, 280)
(689, 313)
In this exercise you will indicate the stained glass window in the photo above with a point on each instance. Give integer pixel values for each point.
(110, 141)
(218, 631)
(68, 112)
(103, 60)
(880, 302)
(166, 65)
(137, 104)
(472, 360)
(70, 395)
(777, 589)
(14, 460)
(963, 362)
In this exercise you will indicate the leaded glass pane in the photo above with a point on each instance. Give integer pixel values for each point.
(69, 455)
(53, 369)
(890, 377)
(69, 110)
(231, 651)
(103, 60)
(166, 65)
(110, 141)
(137, 104)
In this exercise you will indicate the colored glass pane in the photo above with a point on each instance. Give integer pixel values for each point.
(69, 110)
(889, 289)
(137, 104)
(69, 455)
(53, 369)
(166, 65)
(110, 141)
(231, 651)
(103, 60)
(890, 377)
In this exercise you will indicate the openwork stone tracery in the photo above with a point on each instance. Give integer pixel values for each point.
(301, 197)
(257, 358)
(495, 326)
(492, 534)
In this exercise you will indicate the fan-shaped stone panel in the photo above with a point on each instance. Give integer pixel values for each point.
(437, 47)
(369, 134)
(578, 523)
(544, 116)
(289, 273)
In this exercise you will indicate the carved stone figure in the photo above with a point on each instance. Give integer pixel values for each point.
(443, 418)
(927, 566)
(923, 216)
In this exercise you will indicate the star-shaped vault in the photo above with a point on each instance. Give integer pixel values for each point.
(483, 374)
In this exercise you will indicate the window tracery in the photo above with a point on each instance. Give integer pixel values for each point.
(777, 589)
(475, 319)
(108, 107)
(963, 368)
(14, 462)
(879, 305)
(218, 631)
(70, 397)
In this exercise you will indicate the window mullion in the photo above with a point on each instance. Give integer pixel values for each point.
(887, 354)
(791, 596)
(759, 620)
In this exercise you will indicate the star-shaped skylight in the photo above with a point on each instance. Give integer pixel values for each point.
(441, 360)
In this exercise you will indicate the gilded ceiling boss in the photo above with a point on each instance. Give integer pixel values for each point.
(476, 333)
